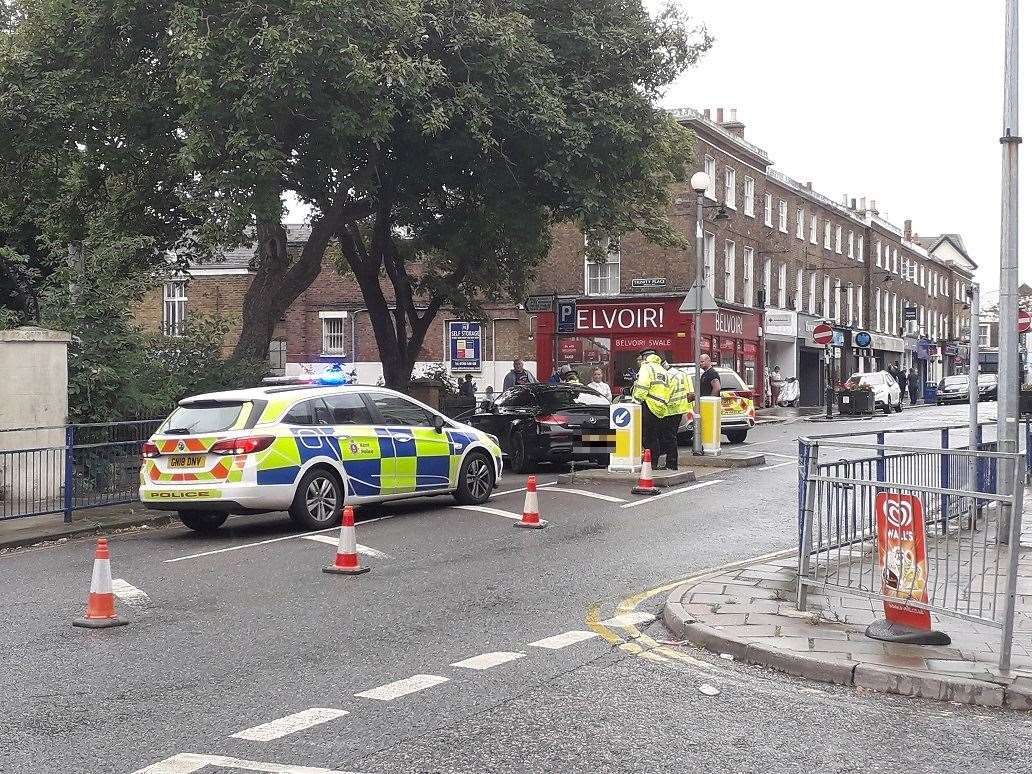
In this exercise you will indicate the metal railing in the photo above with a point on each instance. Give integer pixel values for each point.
(65, 468)
(971, 530)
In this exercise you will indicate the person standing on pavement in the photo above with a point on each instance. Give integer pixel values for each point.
(777, 381)
(710, 379)
(679, 404)
(599, 384)
(913, 384)
(518, 375)
(652, 391)
(901, 379)
(466, 387)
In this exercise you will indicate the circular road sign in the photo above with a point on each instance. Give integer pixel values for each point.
(862, 339)
(823, 334)
(1024, 321)
(621, 417)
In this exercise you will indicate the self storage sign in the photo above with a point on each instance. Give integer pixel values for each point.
(464, 339)
(903, 558)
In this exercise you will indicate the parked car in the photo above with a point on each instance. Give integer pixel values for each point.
(952, 389)
(737, 411)
(537, 423)
(887, 394)
(988, 386)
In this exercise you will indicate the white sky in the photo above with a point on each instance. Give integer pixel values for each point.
(896, 100)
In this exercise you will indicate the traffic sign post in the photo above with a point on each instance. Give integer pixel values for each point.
(1024, 321)
(823, 334)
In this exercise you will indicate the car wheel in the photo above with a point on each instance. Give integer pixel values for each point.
(476, 480)
(317, 502)
(736, 436)
(203, 521)
(519, 459)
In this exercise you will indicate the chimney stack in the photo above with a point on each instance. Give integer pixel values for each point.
(720, 115)
(852, 204)
(809, 185)
(874, 207)
(706, 113)
(908, 230)
(863, 204)
(733, 125)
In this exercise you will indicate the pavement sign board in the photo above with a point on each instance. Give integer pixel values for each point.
(566, 316)
(709, 304)
(538, 304)
(903, 557)
(464, 343)
(823, 334)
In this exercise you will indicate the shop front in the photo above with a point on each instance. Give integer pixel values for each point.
(811, 373)
(609, 334)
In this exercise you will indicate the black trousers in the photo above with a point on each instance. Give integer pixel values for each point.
(651, 433)
(669, 439)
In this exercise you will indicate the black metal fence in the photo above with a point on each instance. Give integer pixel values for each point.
(65, 468)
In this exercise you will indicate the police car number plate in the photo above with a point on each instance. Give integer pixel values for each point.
(186, 462)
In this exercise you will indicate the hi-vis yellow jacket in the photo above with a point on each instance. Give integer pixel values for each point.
(652, 387)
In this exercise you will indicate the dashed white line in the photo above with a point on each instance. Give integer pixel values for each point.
(248, 545)
(671, 493)
(290, 724)
(400, 688)
(559, 641)
(520, 489)
(364, 550)
(492, 511)
(128, 592)
(187, 763)
(582, 493)
(488, 660)
(630, 619)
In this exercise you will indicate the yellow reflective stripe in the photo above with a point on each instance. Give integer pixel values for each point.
(245, 414)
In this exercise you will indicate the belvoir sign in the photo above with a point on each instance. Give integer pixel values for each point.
(728, 323)
(622, 317)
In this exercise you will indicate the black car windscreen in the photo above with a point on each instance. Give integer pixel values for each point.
(560, 398)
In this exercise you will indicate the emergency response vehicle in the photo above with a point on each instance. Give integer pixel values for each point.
(737, 410)
(308, 449)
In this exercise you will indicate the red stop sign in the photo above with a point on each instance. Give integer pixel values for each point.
(823, 334)
(1024, 321)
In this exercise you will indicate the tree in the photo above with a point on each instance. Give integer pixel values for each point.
(437, 141)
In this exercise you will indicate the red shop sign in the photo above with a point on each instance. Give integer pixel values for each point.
(571, 350)
(638, 343)
(750, 349)
(641, 317)
(902, 557)
(727, 345)
(728, 323)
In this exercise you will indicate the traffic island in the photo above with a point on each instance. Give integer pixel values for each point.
(749, 613)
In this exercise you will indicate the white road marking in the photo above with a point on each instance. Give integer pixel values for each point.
(128, 592)
(786, 456)
(671, 493)
(521, 489)
(290, 724)
(779, 465)
(249, 545)
(399, 688)
(187, 763)
(558, 641)
(630, 619)
(492, 511)
(364, 550)
(488, 660)
(582, 493)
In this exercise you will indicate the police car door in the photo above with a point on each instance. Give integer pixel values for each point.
(421, 454)
(360, 455)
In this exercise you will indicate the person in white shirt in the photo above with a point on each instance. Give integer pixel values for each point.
(599, 384)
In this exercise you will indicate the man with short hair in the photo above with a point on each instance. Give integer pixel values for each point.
(709, 379)
(518, 375)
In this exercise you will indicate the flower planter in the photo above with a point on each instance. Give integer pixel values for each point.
(856, 402)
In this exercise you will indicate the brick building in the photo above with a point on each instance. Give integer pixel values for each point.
(779, 257)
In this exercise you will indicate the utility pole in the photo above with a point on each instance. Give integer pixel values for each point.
(973, 396)
(700, 245)
(1007, 415)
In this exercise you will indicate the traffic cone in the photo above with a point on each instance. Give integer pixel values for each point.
(645, 485)
(100, 610)
(346, 562)
(531, 518)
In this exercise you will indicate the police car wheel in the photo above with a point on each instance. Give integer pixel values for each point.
(476, 480)
(200, 521)
(317, 503)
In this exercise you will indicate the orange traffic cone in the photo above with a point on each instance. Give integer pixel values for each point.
(531, 518)
(346, 562)
(645, 485)
(100, 610)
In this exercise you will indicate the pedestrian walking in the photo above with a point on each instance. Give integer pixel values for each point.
(914, 385)
(766, 388)
(599, 384)
(652, 391)
(900, 375)
(777, 381)
(518, 375)
(466, 387)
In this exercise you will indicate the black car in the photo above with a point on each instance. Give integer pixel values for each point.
(988, 386)
(538, 423)
(952, 389)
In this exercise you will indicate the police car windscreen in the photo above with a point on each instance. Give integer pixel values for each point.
(203, 418)
(569, 398)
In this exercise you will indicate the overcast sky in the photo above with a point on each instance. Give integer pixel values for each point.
(896, 100)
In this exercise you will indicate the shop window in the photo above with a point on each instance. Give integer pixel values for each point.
(174, 314)
(602, 274)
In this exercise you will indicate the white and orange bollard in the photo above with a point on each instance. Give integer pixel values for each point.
(346, 562)
(100, 610)
(646, 486)
(531, 518)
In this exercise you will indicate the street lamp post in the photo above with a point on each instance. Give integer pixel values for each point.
(700, 184)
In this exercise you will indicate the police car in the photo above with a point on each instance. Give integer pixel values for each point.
(737, 411)
(308, 449)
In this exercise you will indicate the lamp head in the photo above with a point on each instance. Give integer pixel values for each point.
(700, 182)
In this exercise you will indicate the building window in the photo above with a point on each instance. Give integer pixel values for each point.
(813, 229)
(278, 356)
(895, 261)
(782, 285)
(710, 168)
(812, 301)
(798, 305)
(860, 307)
(766, 282)
(800, 224)
(877, 253)
(750, 197)
(783, 216)
(851, 245)
(709, 257)
(827, 235)
(333, 342)
(729, 271)
(748, 269)
(837, 301)
(826, 310)
(838, 239)
(983, 336)
(849, 305)
(730, 187)
(602, 274)
(768, 209)
(174, 316)
(877, 310)
(860, 248)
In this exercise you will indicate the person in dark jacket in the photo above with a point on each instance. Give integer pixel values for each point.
(901, 379)
(914, 385)
(466, 387)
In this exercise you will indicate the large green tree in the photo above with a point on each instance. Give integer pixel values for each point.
(437, 141)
